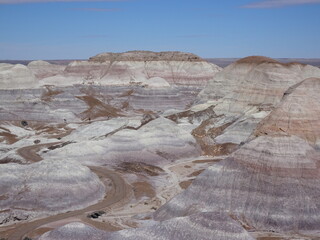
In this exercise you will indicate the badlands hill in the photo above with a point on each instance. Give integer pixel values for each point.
(149, 69)
(196, 227)
(24, 189)
(223, 62)
(16, 77)
(271, 182)
(144, 68)
(162, 146)
(43, 69)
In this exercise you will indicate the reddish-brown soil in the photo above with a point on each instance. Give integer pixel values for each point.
(49, 94)
(97, 109)
(204, 131)
(207, 161)
(185, 184)
(143, 189)
(196, 173)
(8, 137)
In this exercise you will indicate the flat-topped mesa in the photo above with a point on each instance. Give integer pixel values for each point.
(143, 68)
(146, 56)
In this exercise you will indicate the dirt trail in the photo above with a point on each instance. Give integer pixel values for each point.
(119, 191)
(30, 152)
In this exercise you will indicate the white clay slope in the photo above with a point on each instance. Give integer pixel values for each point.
(272, 182)
(247, 91)
(157, 142)
(43, 69)
(16, 77)
(46, 188)
(159, 70)
(205, 226)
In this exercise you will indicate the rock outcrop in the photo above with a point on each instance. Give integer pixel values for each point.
(146, 56)
(74, 103)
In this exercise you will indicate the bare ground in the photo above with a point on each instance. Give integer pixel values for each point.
(117, 195)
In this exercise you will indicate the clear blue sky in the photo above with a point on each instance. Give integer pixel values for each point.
(69, 29)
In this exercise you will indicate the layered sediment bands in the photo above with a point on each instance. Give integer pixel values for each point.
(147, 69)
(269, 184)
(161, 100)
(202, 226)
(255, 81)
(54, 104)
(261, 118)
(42, 69)
(156, 142)
(46, 188)
(174, 72)
(264, 86)
(272, 182)
(251, 88)
(281, 156)
(38, 105)
(298, 114)
(205, 226)
(155, 70)
(16, 77)
(86, 71)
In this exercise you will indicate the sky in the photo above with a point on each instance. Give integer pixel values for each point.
(70, 29)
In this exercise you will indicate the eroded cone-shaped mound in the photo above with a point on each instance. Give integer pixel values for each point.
(269, 184)
(157, 142)
(46, 188)
(248, 90)
(254, 81)
(74, 231)
(298, 114)
(204, 226)
(138, 68)
(42, 69)
(16, 77)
